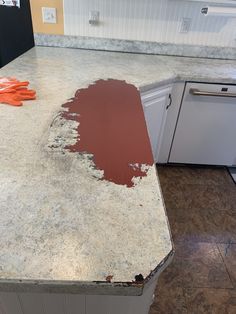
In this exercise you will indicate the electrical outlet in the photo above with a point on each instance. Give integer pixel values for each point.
(49, 15)
(94, 17)
(185, 25)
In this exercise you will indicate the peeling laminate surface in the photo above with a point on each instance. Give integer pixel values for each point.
(60, 228)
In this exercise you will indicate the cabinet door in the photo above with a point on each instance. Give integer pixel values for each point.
(155, 103)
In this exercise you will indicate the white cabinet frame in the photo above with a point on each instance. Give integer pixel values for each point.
(156, 103)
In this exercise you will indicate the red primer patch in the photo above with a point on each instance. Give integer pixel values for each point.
(111, 127)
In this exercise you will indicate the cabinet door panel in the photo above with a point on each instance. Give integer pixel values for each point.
(155, 103)
(170, 123)
(54, 303)
(9, 303)
(155, 115)
(31, 303)
(75, 304)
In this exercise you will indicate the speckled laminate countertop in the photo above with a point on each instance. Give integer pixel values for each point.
(61, 230)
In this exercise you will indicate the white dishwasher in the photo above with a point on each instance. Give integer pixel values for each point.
(206, 127)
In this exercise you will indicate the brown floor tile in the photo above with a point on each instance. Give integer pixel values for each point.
(185, 227)
(228, 252)
(202, 225)
(194, 175)
(208, 253)
(211, 301)
(192, 196)
(220, 225)
(201, 207)
(169, 296)
(172, 275)
(197, 265)
(169, 300)
(197, 274)
(228, 198)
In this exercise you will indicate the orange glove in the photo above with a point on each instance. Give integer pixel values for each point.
(9, 99)
(7, 80)
(16, 98)
(13, 92)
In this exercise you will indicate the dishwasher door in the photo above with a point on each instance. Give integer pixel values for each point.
(206, 127)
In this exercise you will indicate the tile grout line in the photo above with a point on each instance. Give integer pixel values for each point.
(226, 266)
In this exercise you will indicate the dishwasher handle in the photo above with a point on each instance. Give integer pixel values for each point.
(197, 92)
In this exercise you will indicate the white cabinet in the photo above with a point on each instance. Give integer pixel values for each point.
(196, 128)
(206, 127)
(155, 105)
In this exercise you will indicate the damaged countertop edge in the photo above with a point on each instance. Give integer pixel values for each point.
(84, 287)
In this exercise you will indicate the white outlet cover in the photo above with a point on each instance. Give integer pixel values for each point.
(94, 17)
(49, 15)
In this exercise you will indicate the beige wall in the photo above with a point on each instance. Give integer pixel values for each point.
(39, 26)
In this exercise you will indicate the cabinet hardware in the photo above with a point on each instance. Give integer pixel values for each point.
(197, 92)
(170, 102)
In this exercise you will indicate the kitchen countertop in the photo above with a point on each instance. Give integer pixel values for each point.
(202, 70)
(54, 238)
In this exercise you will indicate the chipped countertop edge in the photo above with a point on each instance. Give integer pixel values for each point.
(90, 287)
(71, 287)
(85, 287)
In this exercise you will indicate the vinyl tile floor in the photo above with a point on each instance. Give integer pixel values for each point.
(201, 207)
